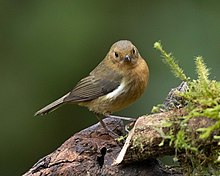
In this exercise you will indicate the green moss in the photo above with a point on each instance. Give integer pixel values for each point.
(169, 59)
(157, 108)
(138, 143)
(202, 100)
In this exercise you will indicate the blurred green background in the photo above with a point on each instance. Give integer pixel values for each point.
(47, 46)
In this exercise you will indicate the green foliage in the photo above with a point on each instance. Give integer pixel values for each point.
(182, 142)
(202, 100)
(169, 60)
(157, 108)
(202, 72)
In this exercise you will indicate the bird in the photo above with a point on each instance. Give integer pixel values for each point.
(118, 81)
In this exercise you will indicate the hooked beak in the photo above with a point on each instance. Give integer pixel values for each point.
(127, 58)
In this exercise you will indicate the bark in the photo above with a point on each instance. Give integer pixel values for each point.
(92, 152)
(147, 138)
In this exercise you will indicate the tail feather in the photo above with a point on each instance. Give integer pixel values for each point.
(51, 107)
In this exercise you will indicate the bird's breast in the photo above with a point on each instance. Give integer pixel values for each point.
(130, 89)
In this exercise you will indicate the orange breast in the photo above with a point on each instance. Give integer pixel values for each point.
(132, 87)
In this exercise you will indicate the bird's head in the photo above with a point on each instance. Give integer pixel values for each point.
(124, 52)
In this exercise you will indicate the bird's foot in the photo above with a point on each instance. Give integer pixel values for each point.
(122, 118)
(128, 126)
(110, 132)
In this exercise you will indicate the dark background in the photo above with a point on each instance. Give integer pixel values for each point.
(47, 46)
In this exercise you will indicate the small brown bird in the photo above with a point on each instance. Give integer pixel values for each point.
(114, 84)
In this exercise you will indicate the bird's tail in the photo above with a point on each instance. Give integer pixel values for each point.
(51, 107)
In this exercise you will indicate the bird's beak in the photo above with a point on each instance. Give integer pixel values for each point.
(127, 58)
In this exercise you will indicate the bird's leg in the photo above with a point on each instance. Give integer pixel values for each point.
(128, 126)
(122, 118)
(110, 132)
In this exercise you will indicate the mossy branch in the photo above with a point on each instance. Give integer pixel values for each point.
(202, 99)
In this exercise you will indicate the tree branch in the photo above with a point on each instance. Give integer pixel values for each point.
(92, 152)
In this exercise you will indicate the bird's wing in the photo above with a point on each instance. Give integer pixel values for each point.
(94, 86)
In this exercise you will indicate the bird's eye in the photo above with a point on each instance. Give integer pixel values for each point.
(116, 54)
(133, 51)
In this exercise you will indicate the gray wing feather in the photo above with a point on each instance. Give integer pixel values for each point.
(91, 88)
